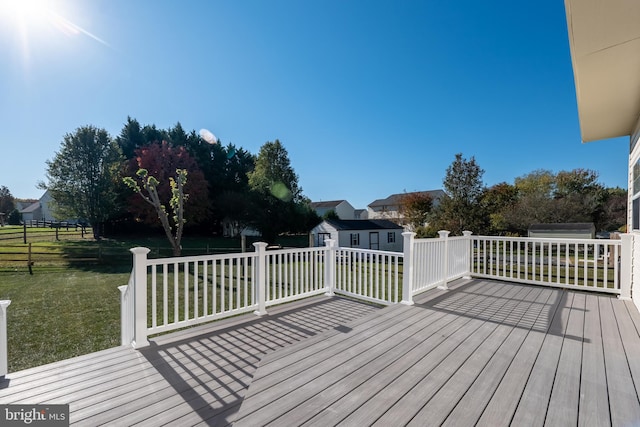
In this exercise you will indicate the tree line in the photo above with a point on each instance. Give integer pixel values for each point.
(229, 187)
(540, 196)
(226, 185)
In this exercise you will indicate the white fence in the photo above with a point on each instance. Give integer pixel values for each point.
(437, 261)
(585, 264)
(171, 293)
(166, 294)
(367, 274)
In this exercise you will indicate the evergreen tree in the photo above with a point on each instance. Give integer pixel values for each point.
(461, 208)
(277, 196)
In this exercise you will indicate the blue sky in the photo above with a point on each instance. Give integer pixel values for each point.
(369, 97)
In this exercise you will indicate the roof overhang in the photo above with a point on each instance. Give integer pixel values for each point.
(604, 37)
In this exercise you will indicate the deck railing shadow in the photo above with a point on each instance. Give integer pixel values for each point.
(539, 316)
(211, 367)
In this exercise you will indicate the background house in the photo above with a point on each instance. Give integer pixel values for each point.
(575, 230)
(359, 233)
(391, 207)
(342, 208)
(361, 214)
(40, 210)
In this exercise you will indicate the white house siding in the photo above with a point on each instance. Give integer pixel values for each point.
(40, 210)
(343, 237)
(342, 208)
(345, 210)
(45, 204)
(633, 194)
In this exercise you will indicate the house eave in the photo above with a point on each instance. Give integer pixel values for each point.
(604, 40)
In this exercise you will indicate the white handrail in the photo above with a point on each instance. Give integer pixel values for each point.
(4, 364)
(184, 291)
(587, 264)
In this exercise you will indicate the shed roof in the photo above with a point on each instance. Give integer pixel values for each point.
(363, 224)
(570, 226)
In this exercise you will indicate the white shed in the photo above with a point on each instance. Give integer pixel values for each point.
(573, 230)
(360, 233)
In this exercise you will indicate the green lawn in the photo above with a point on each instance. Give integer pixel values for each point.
(70, 305)
(61, 312)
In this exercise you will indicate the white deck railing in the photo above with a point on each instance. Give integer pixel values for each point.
(294, 273)
(368, 274)
(170, 293)
(438, 261)
(4, 363)
(127, 323)
(586, 264)
(166, 294)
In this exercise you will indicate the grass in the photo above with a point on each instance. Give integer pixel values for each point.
(70, 305)
(61, 313)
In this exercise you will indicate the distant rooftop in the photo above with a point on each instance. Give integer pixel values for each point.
(570, 226)
(363, 224)
(327, 204)
(394, 199)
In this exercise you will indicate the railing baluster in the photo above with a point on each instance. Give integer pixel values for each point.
(214, 287)
(154, 298)
(196, 284)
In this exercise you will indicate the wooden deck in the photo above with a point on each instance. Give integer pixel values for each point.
(485, 352)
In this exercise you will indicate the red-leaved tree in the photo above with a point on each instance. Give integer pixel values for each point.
(162, 160)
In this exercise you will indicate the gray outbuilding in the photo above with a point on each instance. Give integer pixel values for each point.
(376, 234)
(573, 230)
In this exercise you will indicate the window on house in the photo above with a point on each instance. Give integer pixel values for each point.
(391, 237)
(355, 239)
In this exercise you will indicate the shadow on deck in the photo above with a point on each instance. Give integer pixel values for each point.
(484, 352)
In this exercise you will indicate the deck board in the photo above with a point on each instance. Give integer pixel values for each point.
(368, 412)
(623, 397)
(504, 401)
(532, 407)
(484, 353)
(504, 340)
(438, 346)
(594, 397)
(337, 387)
(470, 407)
(565, 395)
(431, 394)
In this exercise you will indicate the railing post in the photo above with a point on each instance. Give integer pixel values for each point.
(468, 234)
(444, 234)
(626, 257)
(140, 297)
(261, 279)
(125, 326)
(330, 266)
(4, 348)
(407, 269)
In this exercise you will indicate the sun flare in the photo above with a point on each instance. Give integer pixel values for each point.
(24, 12)
(32, 20)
